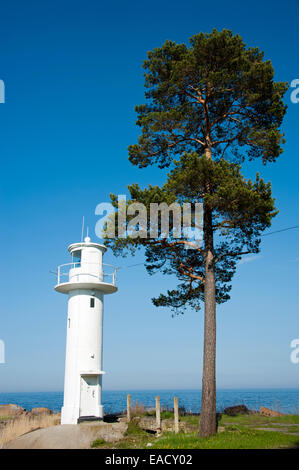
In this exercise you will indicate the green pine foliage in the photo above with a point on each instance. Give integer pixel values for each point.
(217, 93)
(241, 209)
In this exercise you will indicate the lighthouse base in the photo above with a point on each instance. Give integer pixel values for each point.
(70, 415)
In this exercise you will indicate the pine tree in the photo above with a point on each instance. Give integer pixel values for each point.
(209, 107)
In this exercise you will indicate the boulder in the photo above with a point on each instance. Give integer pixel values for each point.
(11, 410)
(267, 412)
(236, 410)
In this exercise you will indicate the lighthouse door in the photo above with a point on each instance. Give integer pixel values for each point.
(88, 395)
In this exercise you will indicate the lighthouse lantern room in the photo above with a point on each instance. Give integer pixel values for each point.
(85, 282)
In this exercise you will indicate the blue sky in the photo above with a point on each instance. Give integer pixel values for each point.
(73, 75)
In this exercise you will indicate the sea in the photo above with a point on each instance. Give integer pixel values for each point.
(282, 400)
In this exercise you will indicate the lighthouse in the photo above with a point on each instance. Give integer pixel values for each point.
(85, 280)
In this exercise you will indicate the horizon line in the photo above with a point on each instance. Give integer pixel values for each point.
(163, 389)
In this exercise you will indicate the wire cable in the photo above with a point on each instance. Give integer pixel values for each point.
(264, 235)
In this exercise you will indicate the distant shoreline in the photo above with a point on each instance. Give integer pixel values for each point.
(123, 390)
(285, 400)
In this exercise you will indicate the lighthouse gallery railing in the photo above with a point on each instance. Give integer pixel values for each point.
(63, 272)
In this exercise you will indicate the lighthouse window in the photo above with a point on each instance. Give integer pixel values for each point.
(76, 257)
(92, 302)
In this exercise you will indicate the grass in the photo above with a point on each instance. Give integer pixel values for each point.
(237, 432)
(293, 429)
(134, 438)
(98, 443)
(134, 430)
(167, 414)
(23, 424)
(237, 439)
(254, 419)
(190, 419)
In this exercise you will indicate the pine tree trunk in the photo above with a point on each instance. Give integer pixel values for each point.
(208, 401)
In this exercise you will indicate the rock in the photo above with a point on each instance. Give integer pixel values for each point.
(11, 410)
(267, 412)
(41, 411)
(69, 436)
(221, 429)
(236, 410)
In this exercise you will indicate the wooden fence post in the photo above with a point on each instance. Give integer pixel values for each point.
(158, 414)
(176, 414)
(128, 407)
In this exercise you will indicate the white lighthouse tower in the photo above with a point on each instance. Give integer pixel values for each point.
(86, 284)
